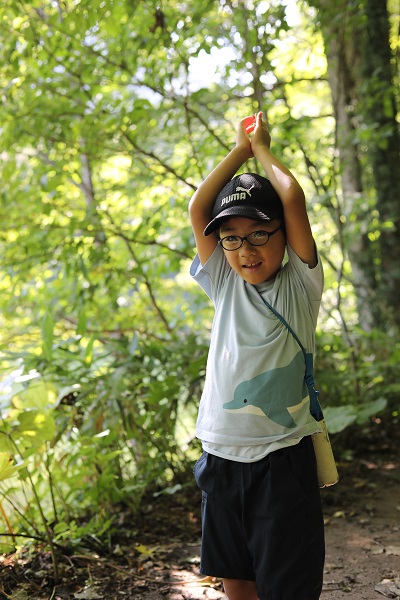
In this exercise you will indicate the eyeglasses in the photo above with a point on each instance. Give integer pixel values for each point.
(256, 238)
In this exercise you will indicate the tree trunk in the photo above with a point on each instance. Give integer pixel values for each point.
(359, 73)
(379, 113)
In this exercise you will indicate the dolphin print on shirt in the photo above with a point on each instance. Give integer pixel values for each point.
(272, 393)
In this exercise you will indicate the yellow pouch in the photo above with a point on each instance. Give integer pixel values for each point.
(326, 465)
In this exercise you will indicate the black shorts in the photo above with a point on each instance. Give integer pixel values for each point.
(263, 522)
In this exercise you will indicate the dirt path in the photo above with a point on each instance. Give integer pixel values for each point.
(362, 541)
(362, 515)
(157, 556)
(363, 536)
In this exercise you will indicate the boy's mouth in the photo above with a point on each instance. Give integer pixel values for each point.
(252, 266)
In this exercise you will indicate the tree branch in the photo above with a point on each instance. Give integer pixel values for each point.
(158, 160)
(146, 281)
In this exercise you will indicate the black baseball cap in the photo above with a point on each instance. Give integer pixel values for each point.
(247, 195)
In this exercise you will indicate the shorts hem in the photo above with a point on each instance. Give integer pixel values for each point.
(221, 574)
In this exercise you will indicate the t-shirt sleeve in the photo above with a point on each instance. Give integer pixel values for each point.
(311, 280)
(212, 275)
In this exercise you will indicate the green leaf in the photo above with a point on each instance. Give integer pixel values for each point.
(82, 322)
(338, 418)
(39, 394)
(88, 356)
(7, 468)
(170, 491)
(370, 409)
(34, 429)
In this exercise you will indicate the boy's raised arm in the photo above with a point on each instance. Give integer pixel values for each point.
(202, 202)
(297, 225)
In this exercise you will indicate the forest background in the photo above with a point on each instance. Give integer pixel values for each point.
(111, 114)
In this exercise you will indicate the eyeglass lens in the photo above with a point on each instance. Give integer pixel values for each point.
(256, 238)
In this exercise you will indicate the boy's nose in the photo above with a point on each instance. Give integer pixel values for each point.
(246, 249)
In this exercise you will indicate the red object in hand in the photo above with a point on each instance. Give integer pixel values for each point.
(249, 123)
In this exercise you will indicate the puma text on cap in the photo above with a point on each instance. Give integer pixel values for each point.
(247, 195)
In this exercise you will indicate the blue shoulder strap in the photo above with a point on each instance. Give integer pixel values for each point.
(315, 407)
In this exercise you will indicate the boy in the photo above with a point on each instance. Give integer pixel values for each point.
(261, 511)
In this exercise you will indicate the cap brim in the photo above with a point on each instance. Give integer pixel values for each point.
(248, 212)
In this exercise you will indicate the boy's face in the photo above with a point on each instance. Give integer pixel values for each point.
(255, 264)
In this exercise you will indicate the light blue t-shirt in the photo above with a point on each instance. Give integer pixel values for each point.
(255, 399)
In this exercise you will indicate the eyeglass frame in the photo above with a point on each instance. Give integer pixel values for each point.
(245, 238)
